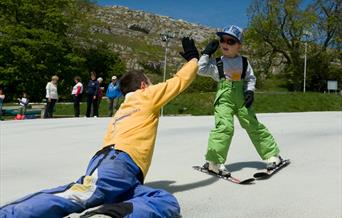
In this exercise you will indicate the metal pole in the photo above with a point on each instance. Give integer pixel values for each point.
(305, 67)
(164, 77)
(165, 59)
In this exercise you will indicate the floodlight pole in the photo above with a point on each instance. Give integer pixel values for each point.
(305, 50)
(306, 34)
(165, 38)
(165, 58)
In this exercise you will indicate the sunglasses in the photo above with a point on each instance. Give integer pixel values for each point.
(228, 41)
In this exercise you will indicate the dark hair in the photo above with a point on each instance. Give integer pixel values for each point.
(131, 81)
(93, 73)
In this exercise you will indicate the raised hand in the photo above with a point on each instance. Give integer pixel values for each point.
(211, 47)
(189, 49)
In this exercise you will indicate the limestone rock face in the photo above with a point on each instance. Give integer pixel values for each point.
(137, 36)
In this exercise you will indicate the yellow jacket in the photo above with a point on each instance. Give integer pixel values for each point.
(134, 126)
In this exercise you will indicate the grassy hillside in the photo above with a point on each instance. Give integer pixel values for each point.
(202, 104)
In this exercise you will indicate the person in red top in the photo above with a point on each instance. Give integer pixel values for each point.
(76, 93)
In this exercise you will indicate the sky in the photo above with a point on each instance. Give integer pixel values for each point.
(218, 13)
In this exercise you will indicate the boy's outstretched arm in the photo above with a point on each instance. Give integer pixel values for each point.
(207, 65)
(162, 93)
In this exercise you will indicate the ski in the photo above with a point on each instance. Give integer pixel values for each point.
(268, 173)
(229, 178)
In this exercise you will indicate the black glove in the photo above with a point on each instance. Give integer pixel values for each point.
(112, 210)
(189, 48)
(211, 47)
(249, 98)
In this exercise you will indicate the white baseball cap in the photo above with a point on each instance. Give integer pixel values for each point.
(114, 77)
(233, 31)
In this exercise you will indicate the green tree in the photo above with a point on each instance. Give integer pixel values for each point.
(42, 38)
(104, 62)
(278, 31)
(33, 43)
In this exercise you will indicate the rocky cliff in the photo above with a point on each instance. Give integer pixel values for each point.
(137, 36)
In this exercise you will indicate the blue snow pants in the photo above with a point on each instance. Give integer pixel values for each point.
(111, 177)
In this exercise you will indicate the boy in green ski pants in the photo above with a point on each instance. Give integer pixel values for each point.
(235, 95)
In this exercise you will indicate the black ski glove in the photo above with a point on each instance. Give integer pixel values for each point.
(112, 210)
(189, 49)
(249, 98)
(211, 47)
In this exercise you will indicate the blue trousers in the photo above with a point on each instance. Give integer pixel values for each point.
(111, 177)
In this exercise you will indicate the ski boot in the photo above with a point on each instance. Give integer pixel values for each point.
(218, 169)
(273, 162)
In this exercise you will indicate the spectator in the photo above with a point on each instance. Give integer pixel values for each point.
(113, 93)
(92, 95)
(51, 96)
(2, 97)
(23, 103)
(76, 93)
(100, 93)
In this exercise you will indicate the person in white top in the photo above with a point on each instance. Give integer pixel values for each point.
(100, 92)
(76, 93)
(51, 96)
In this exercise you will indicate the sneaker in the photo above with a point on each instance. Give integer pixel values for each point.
(273, 162)
(219, 169)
